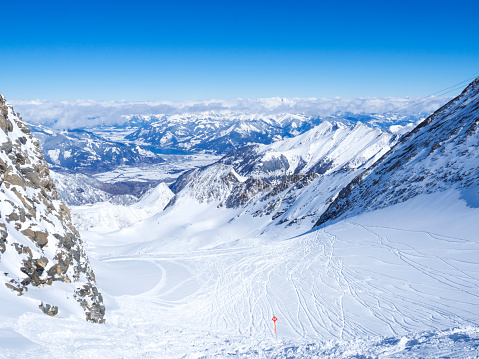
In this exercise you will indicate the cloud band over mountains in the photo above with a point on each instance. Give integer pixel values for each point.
(86, 113)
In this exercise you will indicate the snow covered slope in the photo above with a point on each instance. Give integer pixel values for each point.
(108, 217)
(326, 148)
(399, 282)
(441, 153)
(43, 265)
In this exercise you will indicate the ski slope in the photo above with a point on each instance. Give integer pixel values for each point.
(350, 280)
(400, 282)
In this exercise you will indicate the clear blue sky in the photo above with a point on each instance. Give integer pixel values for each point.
(197, 50)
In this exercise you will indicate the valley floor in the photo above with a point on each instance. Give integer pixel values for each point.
(402, 282)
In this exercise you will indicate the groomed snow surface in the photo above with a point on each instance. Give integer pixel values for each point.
(401, 282)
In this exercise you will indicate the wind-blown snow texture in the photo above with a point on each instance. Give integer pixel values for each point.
(441, 153)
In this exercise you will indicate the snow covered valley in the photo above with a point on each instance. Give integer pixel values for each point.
(398, 282)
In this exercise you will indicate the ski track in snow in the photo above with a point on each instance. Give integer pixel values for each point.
(347, 290)
(341, 283)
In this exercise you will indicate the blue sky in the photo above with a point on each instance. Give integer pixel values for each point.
(197, 50)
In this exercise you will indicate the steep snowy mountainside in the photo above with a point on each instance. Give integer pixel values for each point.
(86, 152)
(326, 148)
(288, 183)
(441, 153)
(294, 203)
(107, 216)
(209, 184)
(43, 265)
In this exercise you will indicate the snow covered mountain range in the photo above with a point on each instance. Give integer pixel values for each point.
(84, 152)
(290, 180)
(328, 147)
(102, 148)
(137, 143)
(227, 131)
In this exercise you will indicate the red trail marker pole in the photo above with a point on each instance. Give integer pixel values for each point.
(274, 320)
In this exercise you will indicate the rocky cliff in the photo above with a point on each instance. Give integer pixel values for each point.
(42, 259)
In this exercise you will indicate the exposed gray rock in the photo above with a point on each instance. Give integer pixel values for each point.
(37, 235)
(48, 309)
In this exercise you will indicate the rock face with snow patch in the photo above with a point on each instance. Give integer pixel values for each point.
(290, 180)
(209, 184)
(42, 259)
(441, 153)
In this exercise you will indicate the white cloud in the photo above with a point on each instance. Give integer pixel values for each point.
(82, 113)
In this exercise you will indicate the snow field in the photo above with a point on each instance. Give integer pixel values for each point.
(402, 282)
(324, 285)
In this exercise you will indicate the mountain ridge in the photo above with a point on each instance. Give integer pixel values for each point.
(449, 144)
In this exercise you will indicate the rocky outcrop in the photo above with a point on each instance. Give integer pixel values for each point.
(245, 191)
(39, 246)
(220, 184)
(48, 309)
(282, 197)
